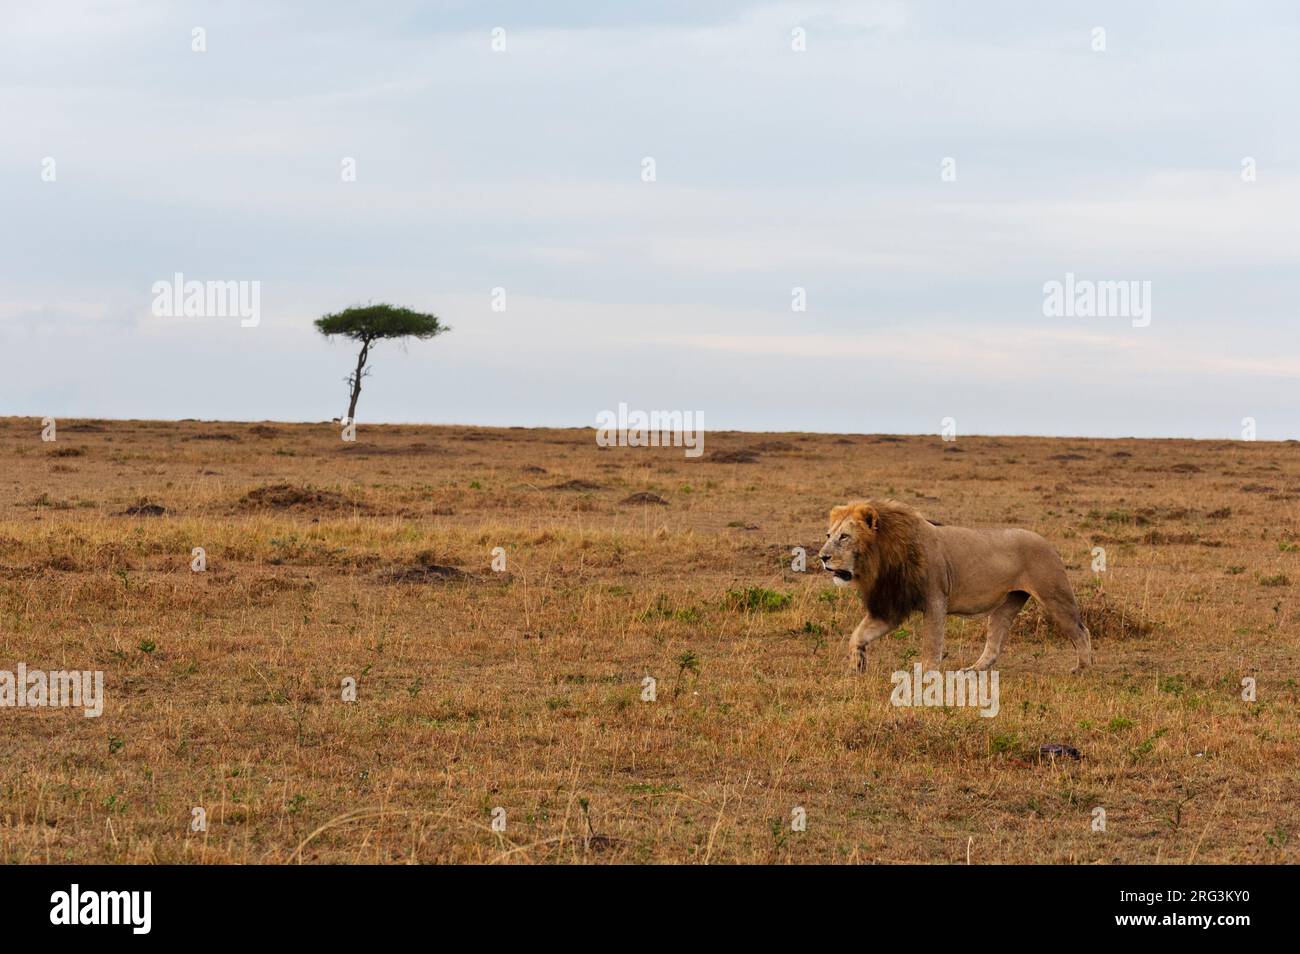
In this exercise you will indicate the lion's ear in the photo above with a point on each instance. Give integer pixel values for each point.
(868, 515)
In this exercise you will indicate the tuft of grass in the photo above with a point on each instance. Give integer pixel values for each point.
(758, 599)
(1172, 685)
(663, 608)
(1148, 744)
(1003, 742)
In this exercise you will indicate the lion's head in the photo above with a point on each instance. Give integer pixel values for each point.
(851, 536)
(876, 545)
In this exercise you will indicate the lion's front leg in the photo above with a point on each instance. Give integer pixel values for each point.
(864, 634)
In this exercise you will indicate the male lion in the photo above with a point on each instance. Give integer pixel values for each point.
(901, 562)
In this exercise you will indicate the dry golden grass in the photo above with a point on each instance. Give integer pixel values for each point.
(522, 690)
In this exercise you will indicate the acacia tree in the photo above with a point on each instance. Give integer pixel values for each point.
(370, 323)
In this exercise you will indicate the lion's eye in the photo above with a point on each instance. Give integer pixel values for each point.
(843, 537)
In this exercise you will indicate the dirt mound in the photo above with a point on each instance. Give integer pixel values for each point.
(61, 562)
(576, 484)
(145, 510)
(410, 450)
(735, 457)
(290, 497)
(211, 437)
(427, 569)
(644, 497)
(1159, 538)
(1105, 619)
(263, 430)
(423, 573)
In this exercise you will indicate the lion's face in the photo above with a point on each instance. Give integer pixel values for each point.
(852, 532)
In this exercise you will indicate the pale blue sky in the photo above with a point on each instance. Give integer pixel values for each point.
(775, 169)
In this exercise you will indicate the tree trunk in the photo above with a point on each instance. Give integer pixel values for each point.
(356, 380)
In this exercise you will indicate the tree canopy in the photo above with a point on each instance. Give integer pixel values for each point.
(373, 322)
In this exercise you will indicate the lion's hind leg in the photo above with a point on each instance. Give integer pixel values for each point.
(1061, 606)
(999, 623)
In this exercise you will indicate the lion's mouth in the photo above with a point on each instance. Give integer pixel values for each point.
(842, 576)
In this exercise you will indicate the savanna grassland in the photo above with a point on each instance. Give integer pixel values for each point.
(522, 690)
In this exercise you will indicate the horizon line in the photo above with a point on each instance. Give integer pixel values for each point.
(593, 427)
